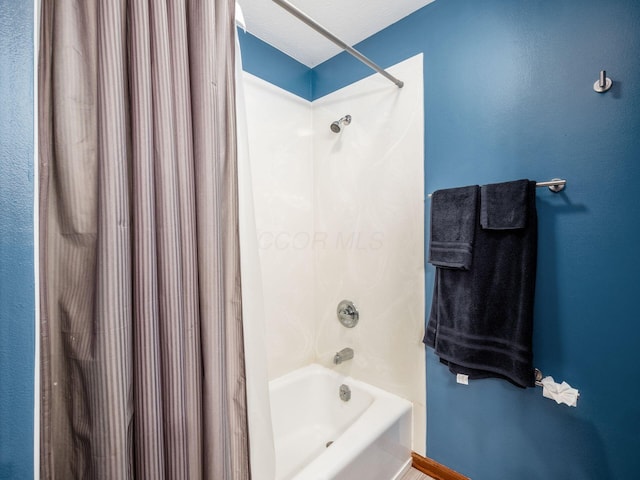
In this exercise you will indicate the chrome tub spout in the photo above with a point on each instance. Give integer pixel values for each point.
(342, 355)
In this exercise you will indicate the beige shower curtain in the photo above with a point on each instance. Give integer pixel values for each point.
(142, 366)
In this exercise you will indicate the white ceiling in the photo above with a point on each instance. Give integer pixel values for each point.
(350, 20)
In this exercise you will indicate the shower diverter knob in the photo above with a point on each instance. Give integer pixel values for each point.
(348, 313)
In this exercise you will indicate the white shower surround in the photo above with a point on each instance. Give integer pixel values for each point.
(341, 216)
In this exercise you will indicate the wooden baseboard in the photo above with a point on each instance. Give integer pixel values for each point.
(434, 469)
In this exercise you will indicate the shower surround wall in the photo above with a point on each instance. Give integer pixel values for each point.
(340, 216)
(281, 155)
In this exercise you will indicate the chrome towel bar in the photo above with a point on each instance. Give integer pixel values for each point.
(555, 185)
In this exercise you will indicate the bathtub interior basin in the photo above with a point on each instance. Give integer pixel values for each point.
(319, 436)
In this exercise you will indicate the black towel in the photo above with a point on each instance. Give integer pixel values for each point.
(481, 320)
(453, 225)
(503, 206)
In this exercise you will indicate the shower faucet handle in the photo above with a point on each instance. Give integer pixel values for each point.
(348, 313)
(348, 310)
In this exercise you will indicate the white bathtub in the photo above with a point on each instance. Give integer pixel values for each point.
(371, 433)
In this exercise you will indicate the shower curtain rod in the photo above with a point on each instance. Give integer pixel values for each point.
(293, 10)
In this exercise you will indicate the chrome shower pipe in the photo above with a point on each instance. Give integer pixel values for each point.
(293, 10)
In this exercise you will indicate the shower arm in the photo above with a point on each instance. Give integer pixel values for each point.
(293, 10)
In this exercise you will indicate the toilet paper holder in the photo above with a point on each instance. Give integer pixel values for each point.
(560, 393)
(538, 377)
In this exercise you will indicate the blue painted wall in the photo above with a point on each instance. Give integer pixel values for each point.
(508, 94)
(270, 64)
(16, 240)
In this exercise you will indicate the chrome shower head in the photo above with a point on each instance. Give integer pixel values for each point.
(337, 125)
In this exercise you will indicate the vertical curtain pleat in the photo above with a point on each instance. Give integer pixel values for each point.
(109, 371)
(149, 425)
(226, 447)
(142, 361)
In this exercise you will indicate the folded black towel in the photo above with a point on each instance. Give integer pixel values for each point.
(503, 206)
(481, 320)
(453, 225)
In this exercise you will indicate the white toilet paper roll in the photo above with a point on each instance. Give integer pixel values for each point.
(560, 392)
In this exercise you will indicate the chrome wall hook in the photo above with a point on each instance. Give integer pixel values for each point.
(603, 83)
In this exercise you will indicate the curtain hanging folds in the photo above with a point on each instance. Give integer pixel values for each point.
(142, 366)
